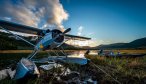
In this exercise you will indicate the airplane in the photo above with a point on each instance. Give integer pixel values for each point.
(48, 39)
(111, 54)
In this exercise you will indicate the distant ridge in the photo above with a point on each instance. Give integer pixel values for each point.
(136, 44)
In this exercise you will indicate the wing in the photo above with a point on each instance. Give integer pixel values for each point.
(31, 30)
(19, 28)
(74, 37)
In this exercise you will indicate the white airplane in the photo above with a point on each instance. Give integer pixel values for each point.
(49, 39)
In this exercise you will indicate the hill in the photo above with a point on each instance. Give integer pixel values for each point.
(9, 42)
(136, 44)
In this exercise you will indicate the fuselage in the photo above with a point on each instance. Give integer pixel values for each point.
(50, 40)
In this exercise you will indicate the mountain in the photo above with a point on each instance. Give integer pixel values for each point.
(136, 44)
(9, 42)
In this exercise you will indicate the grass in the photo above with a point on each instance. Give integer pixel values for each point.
(125, 70)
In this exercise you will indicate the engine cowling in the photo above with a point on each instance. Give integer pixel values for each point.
(56, 32)
(58, 41)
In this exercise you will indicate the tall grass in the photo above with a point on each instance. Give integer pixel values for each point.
(126, 70)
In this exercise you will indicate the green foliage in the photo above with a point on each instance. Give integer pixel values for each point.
(10, 43)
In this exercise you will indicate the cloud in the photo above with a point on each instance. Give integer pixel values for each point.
(36, 13)
(95, 42)
(80, 30)
(7, 18)
(91, 43)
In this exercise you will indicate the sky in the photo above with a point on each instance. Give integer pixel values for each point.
(105, 21)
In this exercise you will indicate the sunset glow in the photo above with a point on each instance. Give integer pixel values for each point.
(90, 43)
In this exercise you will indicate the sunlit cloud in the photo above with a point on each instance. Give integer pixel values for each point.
(80, 30)
(36, 13)
(95, 42)
(91, 34)
(7, 18)
(90, 43)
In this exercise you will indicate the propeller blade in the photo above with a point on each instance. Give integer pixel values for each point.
(67, 30)
(63, 33)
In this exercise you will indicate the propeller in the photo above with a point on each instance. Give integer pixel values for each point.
(58, 34)
(66, 31)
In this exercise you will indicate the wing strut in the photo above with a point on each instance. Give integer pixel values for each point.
(18, 36)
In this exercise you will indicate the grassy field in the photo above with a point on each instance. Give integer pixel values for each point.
(125, 70)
